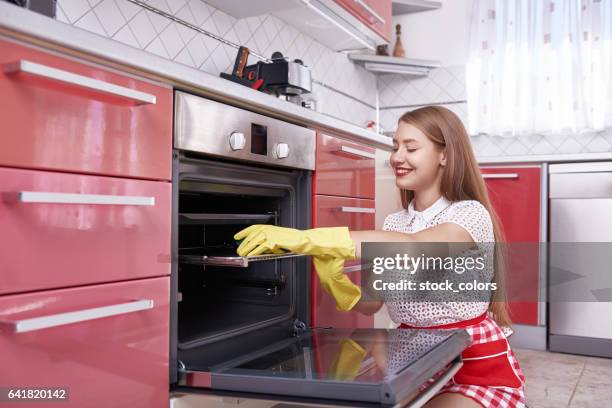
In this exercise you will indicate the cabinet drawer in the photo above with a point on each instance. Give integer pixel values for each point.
(344, 168)
(63, 230)
(108, 344)
(356, 214)
(63, 115)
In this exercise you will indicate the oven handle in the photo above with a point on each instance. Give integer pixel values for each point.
(60, 319)
(32, 68)
(39, 197)
(500, 175)
(433, 389)
(357, 210)
(359, 154)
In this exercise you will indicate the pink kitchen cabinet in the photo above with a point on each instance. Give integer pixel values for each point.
(61, 230)
(343, 168)
(375, 14)
(515, 193)
(356, 214)
(61, 114)
(107, 343)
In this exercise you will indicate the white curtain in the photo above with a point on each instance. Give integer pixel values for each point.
(539, 67)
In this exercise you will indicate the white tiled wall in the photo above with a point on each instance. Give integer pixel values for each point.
(400, 93)
(446, 86)
(132, 25)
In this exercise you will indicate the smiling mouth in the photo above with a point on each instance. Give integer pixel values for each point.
(400, 171)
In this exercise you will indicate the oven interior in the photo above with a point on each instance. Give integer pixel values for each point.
(219, 295)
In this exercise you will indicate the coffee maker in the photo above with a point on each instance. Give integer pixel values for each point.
(279, 76)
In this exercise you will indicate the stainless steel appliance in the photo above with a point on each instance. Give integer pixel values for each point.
(242, 325)
(580, 220)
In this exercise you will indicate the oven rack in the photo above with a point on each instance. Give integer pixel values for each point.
(235, 261)
(210, 218)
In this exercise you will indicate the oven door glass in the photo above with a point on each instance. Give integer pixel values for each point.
(366, 365)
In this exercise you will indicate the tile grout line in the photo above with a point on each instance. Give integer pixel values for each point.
(569, 403)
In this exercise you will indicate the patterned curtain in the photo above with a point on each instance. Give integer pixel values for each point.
(539, 67)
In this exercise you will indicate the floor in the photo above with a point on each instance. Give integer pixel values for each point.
(556, 380)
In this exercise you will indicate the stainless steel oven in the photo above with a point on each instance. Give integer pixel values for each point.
(242, 325)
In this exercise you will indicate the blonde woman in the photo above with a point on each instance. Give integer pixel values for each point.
(445, 200)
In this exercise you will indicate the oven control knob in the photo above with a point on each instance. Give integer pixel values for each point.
(282, 150)
(237, 141)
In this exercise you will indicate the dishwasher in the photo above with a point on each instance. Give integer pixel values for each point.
(580, 278)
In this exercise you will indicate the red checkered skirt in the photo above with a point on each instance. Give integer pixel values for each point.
(509, 391)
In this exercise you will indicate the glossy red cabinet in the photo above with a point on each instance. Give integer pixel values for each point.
(515, 193)
(376, 14)
(108, 344)
(356, 214)
(60, 114)
(344, 168)
(62, 230)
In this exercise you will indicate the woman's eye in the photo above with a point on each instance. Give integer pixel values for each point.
(411, 150)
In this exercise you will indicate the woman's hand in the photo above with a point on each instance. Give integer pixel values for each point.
(334, 242)
(331, 274)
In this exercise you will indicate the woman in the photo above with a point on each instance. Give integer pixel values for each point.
(445, 200)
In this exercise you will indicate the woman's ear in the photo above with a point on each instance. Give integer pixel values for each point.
(443, 157)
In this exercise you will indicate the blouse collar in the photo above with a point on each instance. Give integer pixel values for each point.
(430, 212)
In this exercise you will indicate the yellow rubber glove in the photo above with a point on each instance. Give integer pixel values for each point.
(336, 283)
(332, 242)
(348, 361)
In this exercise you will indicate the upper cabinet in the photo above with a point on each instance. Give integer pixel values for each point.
(337, 24)
(376, 14)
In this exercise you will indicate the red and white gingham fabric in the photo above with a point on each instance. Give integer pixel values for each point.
(491, 397)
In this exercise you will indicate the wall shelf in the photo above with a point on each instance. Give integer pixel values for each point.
(413, 6)
(380, 64)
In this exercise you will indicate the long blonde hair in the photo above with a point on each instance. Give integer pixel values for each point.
(461, 180)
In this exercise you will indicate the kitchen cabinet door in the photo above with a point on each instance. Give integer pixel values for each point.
(108, 344)
(344, 168)
(61, 230)
(356, 214)
(375, 14)
(516, 197)
(60, 114)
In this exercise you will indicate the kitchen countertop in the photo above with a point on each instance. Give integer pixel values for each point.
(545, 158)
(50, 33)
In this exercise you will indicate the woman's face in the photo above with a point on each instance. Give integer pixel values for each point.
(416, 160)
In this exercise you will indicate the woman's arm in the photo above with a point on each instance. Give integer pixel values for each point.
(445, 232)
(368, 307)
(441, 233)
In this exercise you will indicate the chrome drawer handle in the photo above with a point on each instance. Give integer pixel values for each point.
(370, 11)
(60, 319)
(29, 67)
(500, 175)
(356, 210)
(37, 197)
(356, 152)
(356, 268)
(433, 389)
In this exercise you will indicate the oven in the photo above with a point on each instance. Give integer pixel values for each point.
(242, 324)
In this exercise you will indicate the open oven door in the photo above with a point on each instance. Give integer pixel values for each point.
(363, 365)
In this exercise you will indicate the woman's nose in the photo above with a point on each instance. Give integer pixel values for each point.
(395, 159)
